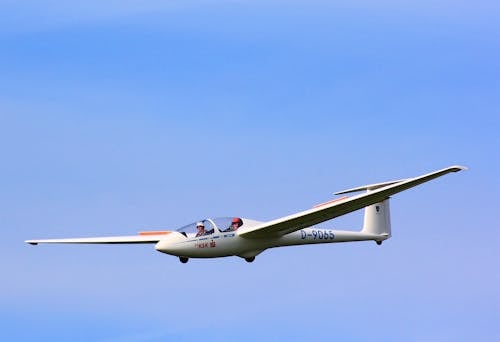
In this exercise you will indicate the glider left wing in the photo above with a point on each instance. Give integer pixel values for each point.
(307, 218)
(143, 237)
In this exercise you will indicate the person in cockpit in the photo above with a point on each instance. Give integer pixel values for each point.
(235, 224)
(201, 229)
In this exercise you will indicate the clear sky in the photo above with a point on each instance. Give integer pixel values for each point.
(134, 115)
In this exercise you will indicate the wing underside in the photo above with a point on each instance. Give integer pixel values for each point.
(344, 206)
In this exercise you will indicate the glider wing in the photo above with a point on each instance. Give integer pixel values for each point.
(143, 237)
(376, 193)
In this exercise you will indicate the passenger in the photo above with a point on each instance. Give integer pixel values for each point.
(235, 224)
(201, 229)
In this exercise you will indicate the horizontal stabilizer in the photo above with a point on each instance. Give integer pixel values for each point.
(370, 186)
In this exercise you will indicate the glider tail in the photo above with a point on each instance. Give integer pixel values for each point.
(378, 219)
(377, 216)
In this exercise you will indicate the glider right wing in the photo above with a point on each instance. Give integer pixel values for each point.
(377, 193)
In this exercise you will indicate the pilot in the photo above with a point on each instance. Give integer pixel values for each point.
(201, 229)
(235, 224)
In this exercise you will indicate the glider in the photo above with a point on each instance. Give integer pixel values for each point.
(221, 237)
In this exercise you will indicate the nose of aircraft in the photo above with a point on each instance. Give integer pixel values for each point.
(171, 244)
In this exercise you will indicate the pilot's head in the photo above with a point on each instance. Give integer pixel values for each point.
(200, 225)
(236, 223)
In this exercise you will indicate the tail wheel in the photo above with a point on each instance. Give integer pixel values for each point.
(251, 259)
(183, 259)
(379, 242)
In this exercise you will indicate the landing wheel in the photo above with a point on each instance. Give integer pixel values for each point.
(379, 243)
(183, 259)
(251, 259)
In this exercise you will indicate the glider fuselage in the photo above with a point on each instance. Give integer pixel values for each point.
(221, 244)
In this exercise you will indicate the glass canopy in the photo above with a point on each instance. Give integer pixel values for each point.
(210, 226)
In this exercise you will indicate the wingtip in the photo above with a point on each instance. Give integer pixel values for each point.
(456, 168)
(33, 243)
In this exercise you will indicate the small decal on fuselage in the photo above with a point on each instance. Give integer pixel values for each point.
(206, 244)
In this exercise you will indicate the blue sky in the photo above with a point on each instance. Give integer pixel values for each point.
(139, 115)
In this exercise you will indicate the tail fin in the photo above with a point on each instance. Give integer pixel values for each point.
(378, 219)
(377, 216)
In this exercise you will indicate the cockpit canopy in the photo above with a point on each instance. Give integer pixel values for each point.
(211, 226)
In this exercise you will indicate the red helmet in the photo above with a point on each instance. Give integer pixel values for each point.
(238, 221)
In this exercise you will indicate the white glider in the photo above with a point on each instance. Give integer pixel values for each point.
(211, 238)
